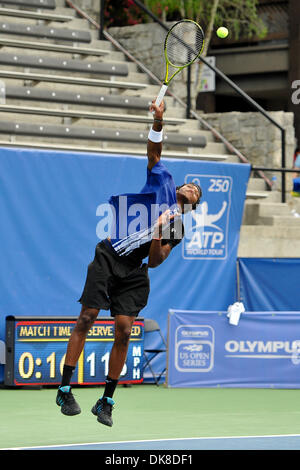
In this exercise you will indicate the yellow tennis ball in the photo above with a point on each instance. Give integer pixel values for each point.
(222, 32)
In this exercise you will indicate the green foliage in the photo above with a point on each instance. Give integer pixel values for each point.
(162, 8)
(239, 16)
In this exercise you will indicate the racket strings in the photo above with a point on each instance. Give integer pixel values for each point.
(184, 43)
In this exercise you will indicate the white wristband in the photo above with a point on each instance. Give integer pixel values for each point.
(155, 136)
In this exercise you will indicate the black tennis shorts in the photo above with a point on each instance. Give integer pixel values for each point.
(112, 284)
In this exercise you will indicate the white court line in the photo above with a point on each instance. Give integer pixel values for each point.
(152, 440)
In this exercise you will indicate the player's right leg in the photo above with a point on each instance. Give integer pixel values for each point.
(65, 398)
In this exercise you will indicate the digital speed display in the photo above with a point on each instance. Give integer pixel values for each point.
(36, 349)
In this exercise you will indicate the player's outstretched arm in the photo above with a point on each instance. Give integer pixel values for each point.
(154, 146)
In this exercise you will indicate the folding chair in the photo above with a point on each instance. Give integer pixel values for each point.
(151, 326)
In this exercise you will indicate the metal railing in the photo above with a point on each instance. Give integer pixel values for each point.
(222, 76)
(280, 170)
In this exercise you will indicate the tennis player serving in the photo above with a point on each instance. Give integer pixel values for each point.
(117, 279)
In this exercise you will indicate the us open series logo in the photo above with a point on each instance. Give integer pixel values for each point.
(194, 348)
(206, 229)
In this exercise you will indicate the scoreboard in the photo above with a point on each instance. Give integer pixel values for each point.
(36, 349)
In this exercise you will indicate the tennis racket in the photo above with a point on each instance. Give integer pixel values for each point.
(183, 44)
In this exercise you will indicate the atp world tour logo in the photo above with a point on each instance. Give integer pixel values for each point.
(206, 229)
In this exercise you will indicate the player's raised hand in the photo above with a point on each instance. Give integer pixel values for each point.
(157, 111)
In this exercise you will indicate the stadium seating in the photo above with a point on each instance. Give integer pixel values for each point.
(53, 94)
(77, 98)
(72, 98)
(80, 132)
(38, 15)
(58, 48)
(79, 114)
(71, 65)
(47, 4)
(62, 34)
(71, 80)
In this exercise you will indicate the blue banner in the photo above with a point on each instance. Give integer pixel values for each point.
(206, 351)
(52, 206)
(269, 284)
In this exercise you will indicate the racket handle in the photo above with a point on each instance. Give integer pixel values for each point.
(161, 95)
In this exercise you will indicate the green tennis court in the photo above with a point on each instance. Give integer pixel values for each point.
(147, 413)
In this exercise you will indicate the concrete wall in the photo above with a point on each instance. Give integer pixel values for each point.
(258, 139)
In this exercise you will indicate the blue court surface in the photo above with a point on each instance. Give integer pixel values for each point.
(283, 442)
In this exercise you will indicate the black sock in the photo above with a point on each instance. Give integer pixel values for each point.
(110, 386)
(67, 375)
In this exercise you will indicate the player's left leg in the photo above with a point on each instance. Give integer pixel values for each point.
(103, 408)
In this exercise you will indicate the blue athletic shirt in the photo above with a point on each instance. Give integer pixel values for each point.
(135, 214)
